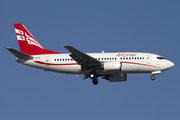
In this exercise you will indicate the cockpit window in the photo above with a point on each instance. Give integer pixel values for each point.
(160, 57)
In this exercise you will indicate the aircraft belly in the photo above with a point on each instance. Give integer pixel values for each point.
(32, 64)
(101, 72)
(69, 69)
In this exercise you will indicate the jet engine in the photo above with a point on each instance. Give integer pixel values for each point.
(116, 77)
(109, 66)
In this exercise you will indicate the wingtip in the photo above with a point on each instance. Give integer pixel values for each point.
(8, 48)
(66, 46)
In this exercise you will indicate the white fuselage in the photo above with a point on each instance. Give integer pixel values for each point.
(110, 66)
(131, 62)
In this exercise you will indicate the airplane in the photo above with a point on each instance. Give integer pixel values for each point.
(113, 66)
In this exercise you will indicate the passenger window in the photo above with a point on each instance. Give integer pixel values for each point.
(137, 57)
(54, 59)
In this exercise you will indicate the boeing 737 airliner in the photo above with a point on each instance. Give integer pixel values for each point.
(113, 67)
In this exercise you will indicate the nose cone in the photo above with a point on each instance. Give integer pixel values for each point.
(170, 64)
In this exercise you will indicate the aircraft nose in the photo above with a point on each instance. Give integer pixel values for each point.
(170, 64)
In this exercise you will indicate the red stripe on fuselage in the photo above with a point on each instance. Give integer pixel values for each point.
(43, 63)
(140, 64)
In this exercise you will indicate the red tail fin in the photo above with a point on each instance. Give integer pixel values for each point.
(28, 44)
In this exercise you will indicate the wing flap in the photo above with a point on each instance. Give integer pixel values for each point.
(82, 58)
(19, 54)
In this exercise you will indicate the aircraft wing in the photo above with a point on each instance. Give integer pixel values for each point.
(82, 58)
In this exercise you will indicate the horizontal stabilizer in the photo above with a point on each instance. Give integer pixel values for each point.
(19, 54)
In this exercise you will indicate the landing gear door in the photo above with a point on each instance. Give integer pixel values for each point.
(148, 59)
(47, 59)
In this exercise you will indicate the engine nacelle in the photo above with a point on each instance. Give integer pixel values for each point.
(109, 66)
(116, 77)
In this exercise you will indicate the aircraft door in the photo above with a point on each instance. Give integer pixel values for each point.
(148, 59)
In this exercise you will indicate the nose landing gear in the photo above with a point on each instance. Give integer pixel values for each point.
(155, 73)
(152, 78)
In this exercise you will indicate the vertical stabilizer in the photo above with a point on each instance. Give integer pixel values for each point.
(28, 44)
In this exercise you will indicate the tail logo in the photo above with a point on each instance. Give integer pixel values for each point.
(24, 37)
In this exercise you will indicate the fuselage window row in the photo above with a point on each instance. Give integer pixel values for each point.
(64, 59)
(122, 58)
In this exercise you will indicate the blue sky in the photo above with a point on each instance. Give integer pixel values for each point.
(28, 93)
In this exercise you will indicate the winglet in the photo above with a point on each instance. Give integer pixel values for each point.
(19, 54)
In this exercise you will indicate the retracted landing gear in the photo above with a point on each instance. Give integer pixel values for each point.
(152, 78)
